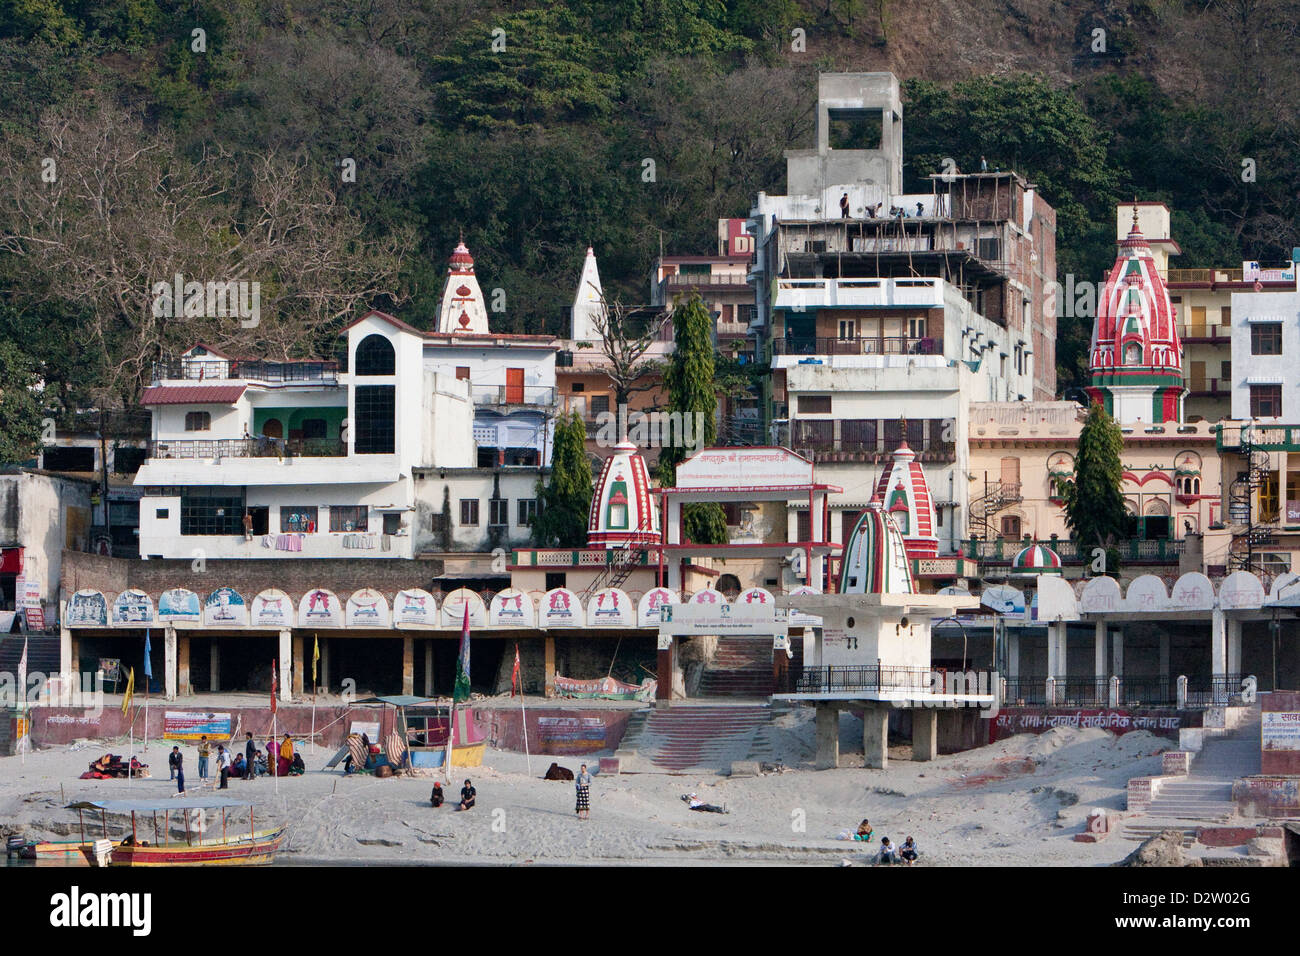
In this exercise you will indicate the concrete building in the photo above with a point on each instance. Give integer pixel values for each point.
(42, 515)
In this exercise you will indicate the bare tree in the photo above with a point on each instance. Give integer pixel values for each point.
(625, 338)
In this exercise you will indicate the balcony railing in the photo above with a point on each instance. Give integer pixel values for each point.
(871, 678)
(1140, 691)
(1209, 386)
(198, 370)
(687, 281)
(513, 394)
(1001, 551)
(248, 448)
(858, 345)
(1190, 332)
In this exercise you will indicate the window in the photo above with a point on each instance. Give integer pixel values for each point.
(555, 579)
(1266, 338)
(526, 511)
(375, 416)
(299, 519)
(1010, 528)
(858, 433)
(848, 328)
(469, 511)
(731, 513)
(375, 356)
(1265, 401)
(437, 522)
(803, 525)
(814, 404)
(1225, 372)
(462, 371)
(498, 511)
(579, 388)
(313, 428)
(599, 405)
(207, 511)
(916, 328)
(198, 421)
(160, 514)
(349, 517)
(392, 522)
(1225, 316)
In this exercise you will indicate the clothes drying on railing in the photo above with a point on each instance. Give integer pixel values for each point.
(363, 542)
(288, 542)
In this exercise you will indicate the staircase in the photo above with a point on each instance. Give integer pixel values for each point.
(997, 496)
(622, 562)
(1251, 531)
(742, 667)
(691, 738)
(42, 653)
(1205, 797)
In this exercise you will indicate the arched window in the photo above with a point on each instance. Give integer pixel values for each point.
(375, 356)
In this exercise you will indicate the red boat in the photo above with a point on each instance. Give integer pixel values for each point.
(147, 845)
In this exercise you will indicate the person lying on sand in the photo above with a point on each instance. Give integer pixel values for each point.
(888, 852)
(467, 795)
(864, 832)
(695, 803)
(908, 852)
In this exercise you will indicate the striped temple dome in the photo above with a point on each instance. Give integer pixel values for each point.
(906, 496)
(875, 559)
(623, 511)
(1036, 559)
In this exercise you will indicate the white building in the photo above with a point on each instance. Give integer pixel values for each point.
(1265, 348)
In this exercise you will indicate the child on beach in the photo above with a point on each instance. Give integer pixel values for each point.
(467, 795)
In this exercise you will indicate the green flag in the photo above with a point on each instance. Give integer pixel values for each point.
(461, 690)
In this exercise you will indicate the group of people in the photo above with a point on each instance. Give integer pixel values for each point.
(279, 760)
(889, 853)
(467, 796)
(873, 212)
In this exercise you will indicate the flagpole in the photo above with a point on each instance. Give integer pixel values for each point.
(22, 701)
(315, 653)
(524, 714)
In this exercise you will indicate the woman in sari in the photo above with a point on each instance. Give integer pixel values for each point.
(286, 756)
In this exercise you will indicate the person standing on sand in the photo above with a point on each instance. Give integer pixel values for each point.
(203, 758)
(250, 757)
(223, 767)
(582, 782)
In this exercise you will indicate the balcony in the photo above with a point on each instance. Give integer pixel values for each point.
(857, 345)
(540, 395)
(1001, 551)
(721, 282)
(1209, 387)
(808, 294)
(206, 369)
(864, 440)
(248, 448)
(1215, 334)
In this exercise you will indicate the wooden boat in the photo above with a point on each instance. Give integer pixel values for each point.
(250, 847)
(53, 851)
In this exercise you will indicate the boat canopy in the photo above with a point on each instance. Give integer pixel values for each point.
(151, 806)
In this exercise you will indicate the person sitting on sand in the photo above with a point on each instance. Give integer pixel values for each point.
(467, 795)
(864, 832)
(695, 803)
(888, 852)
(239, 768)
(296, 766)
(908, 852)
(435, 797)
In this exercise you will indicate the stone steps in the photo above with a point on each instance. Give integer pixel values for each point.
(693, 738)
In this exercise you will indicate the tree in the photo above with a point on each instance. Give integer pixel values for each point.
(1094, 505)
(625, 341)
(690, 382)
(565, 504)
(20, 415)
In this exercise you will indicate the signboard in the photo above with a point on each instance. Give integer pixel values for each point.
(708, 596)
(87, 609)
(132, 607)
(225, 607)
(112, 669)
(368, 727)
(179, 606)
(744, 468)
(191, 725)
(571, 735)
(562, 608)
(7, 621)
(1280, 730)
(647, 609)
(27, 593)
(685, 619)
(756, 596)
(320, 608)
(1240, 589)
(35, 617)
(610, 607)
(512, 608)
(453, 609)
(366, 608)
(271, 608)
(1036, 720)
(798, 618)
(415, 608)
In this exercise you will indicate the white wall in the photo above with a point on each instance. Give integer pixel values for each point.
(1283, 307)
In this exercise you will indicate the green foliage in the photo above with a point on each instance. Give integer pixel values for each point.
(38, 20)
(20, 414)
(1094, 504)
(564, 504)
(690, 382)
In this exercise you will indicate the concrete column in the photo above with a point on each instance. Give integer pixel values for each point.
(828, 737)
(1164, 658)
(1218, 643)
(286, 666)
(299, 677)
(1053, 652)
(1234, 646)
(875, 738)
(925, 733)
(665, 682)
(325, 664)
(65, 644)
(1062, 655)
(1013, 653)
(408, 664)
(169, 663)
(428, 668)
(1117, 653)
(1099, 651)
(183, 664)
(214, 666)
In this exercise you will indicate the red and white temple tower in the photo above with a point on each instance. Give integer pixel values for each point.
(463, 309)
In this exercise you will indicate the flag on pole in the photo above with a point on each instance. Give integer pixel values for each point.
(461, 690)
(273, 687)
(22, 676)
(315, 656)
(148, 667)
(130, 691)
(514, 674)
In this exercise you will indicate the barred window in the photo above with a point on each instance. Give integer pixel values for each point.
(298, 518)
(376, 414)
(469, 511)
(527, 511)
(498, 511)
(349, 517)
(198, 421)
(209, 511)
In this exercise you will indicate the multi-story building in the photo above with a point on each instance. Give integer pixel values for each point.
(874, 305)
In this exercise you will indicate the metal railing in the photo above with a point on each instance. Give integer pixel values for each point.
(248, 448)
(1191, 332)
(857, 345)
(197, 370)
(1222, 689)
(864, 677)
(1209, 386)
(1141, 691)
(1001, 551)
(513, 394)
